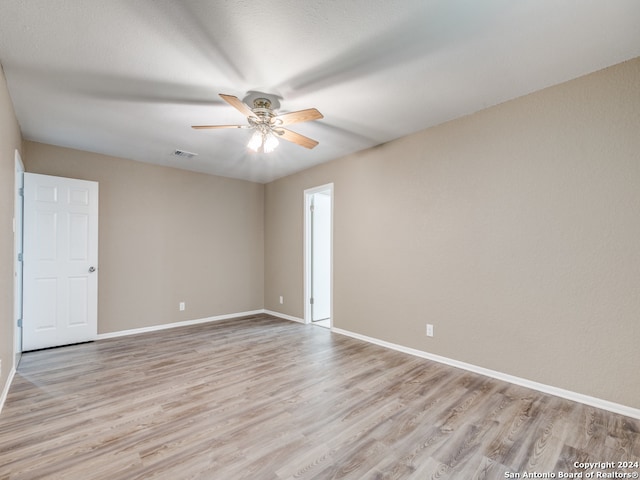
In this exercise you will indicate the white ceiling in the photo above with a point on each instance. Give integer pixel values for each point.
(129, 77)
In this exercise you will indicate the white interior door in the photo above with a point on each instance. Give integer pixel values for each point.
(60, 261)
(321, 256)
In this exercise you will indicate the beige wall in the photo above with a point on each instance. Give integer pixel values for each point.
(166, 236)
(515, 231)
(10, 140)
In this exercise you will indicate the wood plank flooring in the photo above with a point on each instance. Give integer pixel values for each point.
(265, 399)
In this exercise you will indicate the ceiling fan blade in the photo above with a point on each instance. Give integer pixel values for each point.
(200, 127)
(238, 104)
(299, 116)
(296, 138)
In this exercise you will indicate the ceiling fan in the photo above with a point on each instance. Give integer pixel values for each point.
(267, 123)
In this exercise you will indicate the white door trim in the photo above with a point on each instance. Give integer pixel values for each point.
(17, 263)
(308, 193)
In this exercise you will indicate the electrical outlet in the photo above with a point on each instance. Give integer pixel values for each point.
(281, 299)
(429, 330)
(182, 306)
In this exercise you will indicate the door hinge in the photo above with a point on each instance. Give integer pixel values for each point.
(312, 207)
(21, 191)
(311, 300)
(20, 257)
(20, 323)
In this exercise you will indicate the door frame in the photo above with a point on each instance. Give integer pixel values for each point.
(308, 193)
(18, 243)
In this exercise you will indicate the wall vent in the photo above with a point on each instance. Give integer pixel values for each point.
(183, 154)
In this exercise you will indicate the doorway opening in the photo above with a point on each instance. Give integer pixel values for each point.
(319, 255)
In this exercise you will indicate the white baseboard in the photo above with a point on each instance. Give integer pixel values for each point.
(186, 323)
(7, 385)
(558, 392)
(284, 316)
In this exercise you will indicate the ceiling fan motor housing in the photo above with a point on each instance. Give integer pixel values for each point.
(262, 108)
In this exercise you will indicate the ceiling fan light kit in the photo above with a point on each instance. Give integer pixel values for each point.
(270, 143)
(265, 141)
(267, 123)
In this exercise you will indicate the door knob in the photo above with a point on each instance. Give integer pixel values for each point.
(92, 269)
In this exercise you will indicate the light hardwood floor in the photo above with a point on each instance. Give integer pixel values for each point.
(262, 398)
